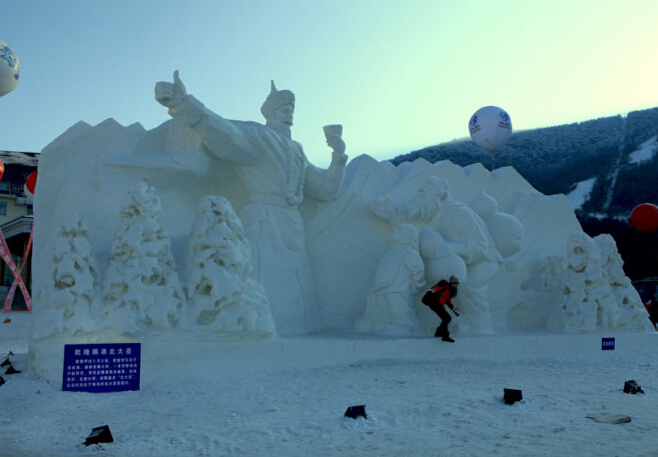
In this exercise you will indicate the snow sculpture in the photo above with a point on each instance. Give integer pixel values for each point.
(506, 230)
(630, 310)
(583, 290)
(67, 297)
(451, 229)
(276, 177)
(320, 248)
(399, 277)
(222, 294)
(142, 292)
(333, 252)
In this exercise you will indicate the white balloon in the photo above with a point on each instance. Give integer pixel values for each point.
(490, 127)
(9, 69)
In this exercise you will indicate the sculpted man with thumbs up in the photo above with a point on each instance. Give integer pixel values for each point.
(277, 176)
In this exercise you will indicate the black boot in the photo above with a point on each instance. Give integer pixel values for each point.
(448, 339)
(439, 333)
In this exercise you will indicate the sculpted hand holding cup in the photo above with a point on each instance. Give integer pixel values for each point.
(334, 135)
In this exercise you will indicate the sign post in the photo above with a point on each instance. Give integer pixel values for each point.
(607, 344)
(101, 367)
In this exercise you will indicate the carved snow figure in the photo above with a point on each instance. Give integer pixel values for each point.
(630, 313)
(451, 229)
(398, 278)
(67, 299)
(277, 177)
(222, 295)
(506, 230)
(142, 291)
(579, 311)
(583, 292)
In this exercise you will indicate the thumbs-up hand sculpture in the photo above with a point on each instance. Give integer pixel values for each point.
(170, 94)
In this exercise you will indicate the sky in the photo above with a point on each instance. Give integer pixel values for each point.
(400, 75)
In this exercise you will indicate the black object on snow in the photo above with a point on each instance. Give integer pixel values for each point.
(100, 434)
(512, 395)
(2, 380)
(632, 387)
(5, 363)
(356, 411)
(12, 370)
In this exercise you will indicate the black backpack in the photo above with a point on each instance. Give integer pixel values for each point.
(428, 298)
(431, 298)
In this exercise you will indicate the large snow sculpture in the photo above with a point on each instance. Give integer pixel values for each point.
(399, 276)
(276, 176)
(68, 295)
(222, 295)
(142, 291)
(320, 248)
(491, 230)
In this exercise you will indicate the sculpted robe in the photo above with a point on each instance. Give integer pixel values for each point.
(277, 176)
(399, 275)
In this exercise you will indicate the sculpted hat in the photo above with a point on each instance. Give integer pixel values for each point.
(276, 99)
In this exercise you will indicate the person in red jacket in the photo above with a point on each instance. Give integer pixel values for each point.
(436, 298)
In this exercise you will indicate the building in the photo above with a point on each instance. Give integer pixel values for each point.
(16, 218)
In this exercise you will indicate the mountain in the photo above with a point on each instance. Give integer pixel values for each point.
(610, 163)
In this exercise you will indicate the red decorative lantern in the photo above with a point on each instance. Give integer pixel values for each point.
(2, 169)
(31, 182)
(644, 217)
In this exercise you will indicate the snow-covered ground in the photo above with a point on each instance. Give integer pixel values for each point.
(580, 194)
(645, 152)
(422, 397)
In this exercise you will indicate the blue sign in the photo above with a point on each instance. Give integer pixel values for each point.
(101, 367)
(607, 344)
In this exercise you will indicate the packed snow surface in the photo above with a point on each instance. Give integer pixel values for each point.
(580, 194)
(285, 398)
(645, 152)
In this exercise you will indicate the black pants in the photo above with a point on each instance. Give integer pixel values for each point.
(442, 329)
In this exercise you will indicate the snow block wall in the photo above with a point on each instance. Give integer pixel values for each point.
(137, 235)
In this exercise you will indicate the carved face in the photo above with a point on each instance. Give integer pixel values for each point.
(581, 252)
(405, 235)
(282, 115)
(423, 206)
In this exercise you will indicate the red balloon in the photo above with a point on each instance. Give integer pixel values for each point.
(31, 181)
(644, 217)
(2, 169)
